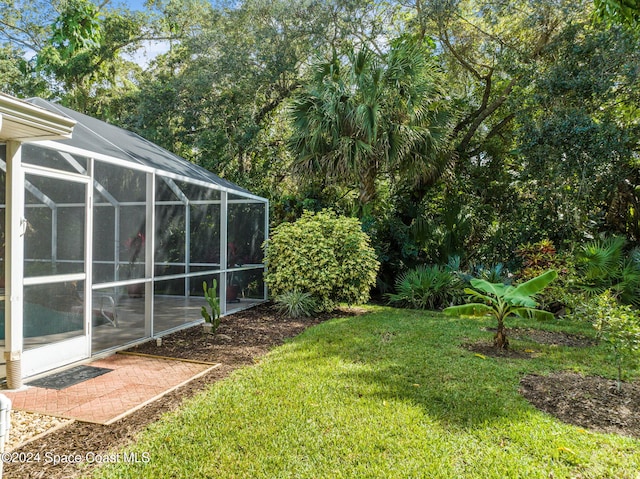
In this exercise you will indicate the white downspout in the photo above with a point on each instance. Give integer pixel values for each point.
(15, 227)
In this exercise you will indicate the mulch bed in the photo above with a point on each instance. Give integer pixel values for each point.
(553, 338)
(591, 402)
(241, 339)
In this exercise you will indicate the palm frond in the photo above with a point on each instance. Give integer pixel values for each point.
(601, 258)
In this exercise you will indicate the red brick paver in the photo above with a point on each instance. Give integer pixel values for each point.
(134, 382)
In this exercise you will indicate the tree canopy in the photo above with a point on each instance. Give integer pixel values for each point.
(461, 127)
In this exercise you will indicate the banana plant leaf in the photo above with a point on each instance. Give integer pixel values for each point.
(534, 285)
(497, 289)
(477, 295)
(469, 309)
(519, 300)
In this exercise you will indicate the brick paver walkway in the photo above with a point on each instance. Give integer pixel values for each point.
(134, 382)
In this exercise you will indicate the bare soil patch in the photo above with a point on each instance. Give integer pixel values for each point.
(591, 402)
(241, 339)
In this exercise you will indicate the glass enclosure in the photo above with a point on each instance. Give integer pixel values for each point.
(144, 239)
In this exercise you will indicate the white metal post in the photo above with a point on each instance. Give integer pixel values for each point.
(88, 258)
(116, 240)
(54, 239)
(149, 260)
(223, 252)
(187, 248)
(15, 227)
(5, 424)
(266, 237)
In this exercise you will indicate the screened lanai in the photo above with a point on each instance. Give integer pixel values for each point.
(116, 237)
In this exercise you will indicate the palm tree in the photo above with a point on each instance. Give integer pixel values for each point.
(364, 116)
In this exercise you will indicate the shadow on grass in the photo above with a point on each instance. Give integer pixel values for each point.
(396, 355)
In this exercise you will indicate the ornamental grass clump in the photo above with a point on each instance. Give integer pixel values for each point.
(323, 254)
(296, 304)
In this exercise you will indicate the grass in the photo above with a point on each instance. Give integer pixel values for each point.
(385, 395)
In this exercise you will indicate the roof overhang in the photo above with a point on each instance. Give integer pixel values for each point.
(22, 121)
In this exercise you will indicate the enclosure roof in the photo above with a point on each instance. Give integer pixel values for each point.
(95, 135)
(22, 121)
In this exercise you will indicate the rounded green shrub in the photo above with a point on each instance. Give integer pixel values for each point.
(323, 254)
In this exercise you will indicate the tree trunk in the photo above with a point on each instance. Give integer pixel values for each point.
(619, 382)
(368, 191)
(500, 340)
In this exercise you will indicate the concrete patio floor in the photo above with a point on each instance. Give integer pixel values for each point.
(134, 382)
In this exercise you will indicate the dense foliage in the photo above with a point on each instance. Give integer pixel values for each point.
(605, 266)
(469, 128)
(322, 254)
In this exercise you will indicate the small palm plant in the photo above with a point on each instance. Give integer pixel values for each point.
(605, 266)
(211, 319)
(501, 301)
(427, 287)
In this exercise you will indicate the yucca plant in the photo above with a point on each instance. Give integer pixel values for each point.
(427, 287)
(604, 266)
(502, 301)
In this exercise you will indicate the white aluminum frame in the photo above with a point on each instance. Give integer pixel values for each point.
(46, 357)
(41, 358)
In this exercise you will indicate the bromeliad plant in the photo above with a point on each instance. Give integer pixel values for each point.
(501, 301)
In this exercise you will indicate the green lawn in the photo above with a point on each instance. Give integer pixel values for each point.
(384, 395)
